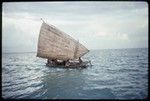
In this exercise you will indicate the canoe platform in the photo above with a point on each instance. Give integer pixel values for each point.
(71, 65)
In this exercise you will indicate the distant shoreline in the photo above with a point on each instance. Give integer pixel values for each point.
(90, 49)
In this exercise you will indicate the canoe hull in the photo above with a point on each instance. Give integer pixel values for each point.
(73, 65)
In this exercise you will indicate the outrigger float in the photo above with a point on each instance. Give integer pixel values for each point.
(60, 49)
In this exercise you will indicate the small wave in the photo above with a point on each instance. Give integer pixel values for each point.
(128, 70)
(104, 93)
(9, 65)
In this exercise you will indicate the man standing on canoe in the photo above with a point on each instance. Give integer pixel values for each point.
(80, 61)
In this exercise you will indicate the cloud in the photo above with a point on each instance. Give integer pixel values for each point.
(20, 31)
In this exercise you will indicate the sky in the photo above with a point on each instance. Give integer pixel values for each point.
(97, 25)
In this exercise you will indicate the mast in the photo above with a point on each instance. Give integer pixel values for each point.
(76, 49)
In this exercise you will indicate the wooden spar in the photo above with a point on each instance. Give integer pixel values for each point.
(42, 20)
(53, 43)
(76, 50)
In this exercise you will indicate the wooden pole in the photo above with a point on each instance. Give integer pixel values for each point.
(42, 20)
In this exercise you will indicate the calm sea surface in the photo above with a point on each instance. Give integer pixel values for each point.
(115, 74)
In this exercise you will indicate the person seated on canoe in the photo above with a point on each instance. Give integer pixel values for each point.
(48, 61)
(64, 63)
(54, 61)
(80, 61)
(67, 63)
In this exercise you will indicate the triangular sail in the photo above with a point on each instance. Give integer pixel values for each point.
(53, 43)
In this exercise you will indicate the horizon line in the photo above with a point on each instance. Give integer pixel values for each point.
(89, 49)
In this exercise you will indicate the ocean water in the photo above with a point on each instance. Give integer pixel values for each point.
(115, 74)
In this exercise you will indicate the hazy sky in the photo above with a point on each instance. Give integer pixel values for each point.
(97, 25)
